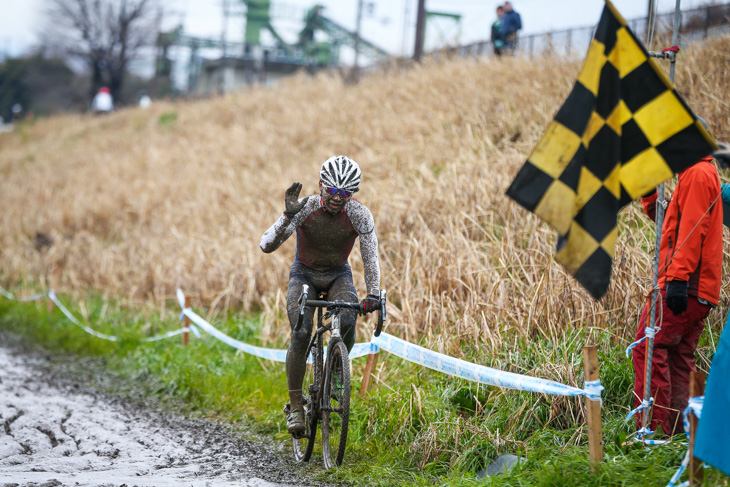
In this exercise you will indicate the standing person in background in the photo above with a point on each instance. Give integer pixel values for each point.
(497, 37)
(144, 100)
(690, 266)
(511, 23)
(102, 102)
(17, 110)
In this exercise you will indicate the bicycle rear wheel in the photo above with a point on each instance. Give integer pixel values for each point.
(310, 394)
(335, 405)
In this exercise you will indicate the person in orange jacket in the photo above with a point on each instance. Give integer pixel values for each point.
(690, 266)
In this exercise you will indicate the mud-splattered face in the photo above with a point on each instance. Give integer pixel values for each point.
(333, 204)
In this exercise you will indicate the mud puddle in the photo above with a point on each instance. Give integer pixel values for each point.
(56, 431)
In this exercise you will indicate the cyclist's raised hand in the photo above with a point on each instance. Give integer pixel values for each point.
(370, 304)
(291, 199)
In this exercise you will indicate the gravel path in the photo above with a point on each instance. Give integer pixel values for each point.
(55, 431)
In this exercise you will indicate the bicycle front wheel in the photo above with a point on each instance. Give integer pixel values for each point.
(304, 445)
(335, 405)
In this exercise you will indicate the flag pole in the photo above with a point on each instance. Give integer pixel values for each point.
(659, 222)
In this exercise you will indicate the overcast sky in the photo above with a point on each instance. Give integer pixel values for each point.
(390, 26)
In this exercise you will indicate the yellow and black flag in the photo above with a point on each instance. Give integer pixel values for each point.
(621, 132)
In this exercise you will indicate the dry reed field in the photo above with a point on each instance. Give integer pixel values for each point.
(141, 202)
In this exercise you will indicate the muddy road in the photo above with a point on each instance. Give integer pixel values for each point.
(56, 430)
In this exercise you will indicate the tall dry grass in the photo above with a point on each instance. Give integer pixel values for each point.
(137, 206)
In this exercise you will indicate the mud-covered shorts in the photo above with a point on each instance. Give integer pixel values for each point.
(338, 285)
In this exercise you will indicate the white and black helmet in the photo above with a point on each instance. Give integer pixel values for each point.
(340, 172)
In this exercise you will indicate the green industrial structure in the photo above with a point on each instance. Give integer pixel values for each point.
(256, 61)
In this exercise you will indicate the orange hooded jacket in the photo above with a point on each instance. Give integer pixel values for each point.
(691, 245)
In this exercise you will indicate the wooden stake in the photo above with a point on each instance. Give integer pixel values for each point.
(696, 388)
(593, 409)
(369, 372)
(186, 325)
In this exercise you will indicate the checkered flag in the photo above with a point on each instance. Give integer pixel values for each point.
(622, 131)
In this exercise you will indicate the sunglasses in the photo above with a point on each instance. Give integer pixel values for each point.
(335, 192)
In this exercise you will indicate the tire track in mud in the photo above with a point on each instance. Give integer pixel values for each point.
(60, 432)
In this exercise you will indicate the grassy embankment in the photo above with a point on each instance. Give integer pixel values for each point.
(142, 201)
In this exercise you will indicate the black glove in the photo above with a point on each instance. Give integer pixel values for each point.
(291, 199)
(370, 304)
(677, 296)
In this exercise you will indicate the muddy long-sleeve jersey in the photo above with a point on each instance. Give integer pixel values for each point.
(324, 241)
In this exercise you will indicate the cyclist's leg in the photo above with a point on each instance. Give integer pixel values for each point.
(343, 289)
(296, 360)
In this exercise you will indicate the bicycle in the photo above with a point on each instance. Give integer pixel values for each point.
(330, 403)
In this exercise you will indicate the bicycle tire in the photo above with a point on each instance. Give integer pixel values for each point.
(304, 446)
(336, 410)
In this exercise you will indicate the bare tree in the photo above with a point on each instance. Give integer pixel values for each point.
(104, 34)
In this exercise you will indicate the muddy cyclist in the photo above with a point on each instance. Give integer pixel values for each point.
(327, 226)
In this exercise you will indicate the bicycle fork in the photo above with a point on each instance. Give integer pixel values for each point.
(335, 336)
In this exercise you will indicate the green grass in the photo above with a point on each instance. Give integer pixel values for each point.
(416, 427)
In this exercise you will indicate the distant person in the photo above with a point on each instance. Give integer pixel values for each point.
(103, 102)
(144, 100)
(511, 23)
(17, 110)
(497, 37)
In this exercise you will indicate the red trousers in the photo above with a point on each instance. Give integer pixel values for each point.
(672, 361)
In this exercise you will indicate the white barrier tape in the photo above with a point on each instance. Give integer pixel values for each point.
(363, 349)
(265, 353)
(473, 372)
(180, 298)
(695, 406)
(593, 389)
(419, 355)
(640, 437)
(648, 333)
(54, 298)
(679, 472)
(644, 404)
(32, 297)
(653, 442)
(277, 355)
(173, 333)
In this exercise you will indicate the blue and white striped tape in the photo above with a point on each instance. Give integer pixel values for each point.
(644, 405)
(418, 355)
(265, 353)
(479, 373)
(695, 406)
(53, 297)
(12, 296)
(643, 432)
(401, 348)
(276, 355)
(648, 332)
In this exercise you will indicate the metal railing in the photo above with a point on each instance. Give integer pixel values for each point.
(695, 24)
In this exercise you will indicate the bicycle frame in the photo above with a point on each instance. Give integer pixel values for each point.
(321, 398)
